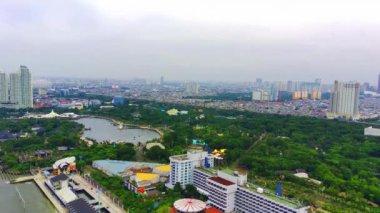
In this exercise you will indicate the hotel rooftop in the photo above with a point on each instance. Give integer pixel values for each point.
(221, 181)
(267, 193)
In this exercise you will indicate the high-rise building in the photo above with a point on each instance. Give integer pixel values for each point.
(182, 166)
(378, 84)
(162, 80)
(3, 88)
(289, 86)
(300, 95)
(316, 95)
(259, 82)
(26, 91)
(16, 91)
(191, 89)
(14, 88)
(344, 100)
(274, 92)
(365, 87)
(261, 95)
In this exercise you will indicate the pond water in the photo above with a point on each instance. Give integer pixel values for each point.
(104, 130)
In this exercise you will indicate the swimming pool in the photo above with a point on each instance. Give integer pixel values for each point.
(115, 167)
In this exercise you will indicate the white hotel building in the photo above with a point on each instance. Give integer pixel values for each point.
(182, 166)
(221, 193)
(227, 190)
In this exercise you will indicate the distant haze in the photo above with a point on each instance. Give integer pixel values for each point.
(193, 40)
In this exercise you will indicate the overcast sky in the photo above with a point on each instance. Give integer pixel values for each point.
(193, 40)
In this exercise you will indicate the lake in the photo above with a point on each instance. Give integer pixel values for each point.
(104, 130)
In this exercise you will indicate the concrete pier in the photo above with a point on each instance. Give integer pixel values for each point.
(22, 179)
(82, 184)
(40, 181)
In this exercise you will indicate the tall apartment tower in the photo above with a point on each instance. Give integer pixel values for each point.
(191, 88)
(26, 92)
(3, 88)
(14, 88)
(344, 100)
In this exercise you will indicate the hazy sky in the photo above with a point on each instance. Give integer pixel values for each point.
(193, 40)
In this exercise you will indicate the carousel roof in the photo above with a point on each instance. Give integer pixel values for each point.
(189, 205)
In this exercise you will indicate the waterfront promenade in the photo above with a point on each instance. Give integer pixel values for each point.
(92, 190)
(106, 202)
(40, 181)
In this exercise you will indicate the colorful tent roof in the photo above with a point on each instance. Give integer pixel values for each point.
(189, 205)
(52, 114)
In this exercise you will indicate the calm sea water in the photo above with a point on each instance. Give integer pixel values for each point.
(35, 201)
(104, 130)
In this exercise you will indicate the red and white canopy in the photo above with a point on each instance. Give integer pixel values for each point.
(189, 205)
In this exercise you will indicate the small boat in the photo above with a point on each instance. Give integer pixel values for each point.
(87, 129)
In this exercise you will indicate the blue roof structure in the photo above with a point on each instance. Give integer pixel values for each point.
(116, 167)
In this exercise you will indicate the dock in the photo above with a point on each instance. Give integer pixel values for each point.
(22, 179)
(39, 179)
(106, 201)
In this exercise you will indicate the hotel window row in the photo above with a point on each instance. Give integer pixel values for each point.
(247, 201)
(200, 180)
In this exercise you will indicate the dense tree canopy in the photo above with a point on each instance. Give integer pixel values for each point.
(270, 146)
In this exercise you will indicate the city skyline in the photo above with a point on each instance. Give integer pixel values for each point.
(189, 106)
(233, 42)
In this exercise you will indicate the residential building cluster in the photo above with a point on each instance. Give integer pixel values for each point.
(16, 89)
(290, 98)
(279, 91)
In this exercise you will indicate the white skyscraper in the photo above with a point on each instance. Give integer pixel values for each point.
(16, 91)
(344, 100)
(14, 88)
(26, 91)
(261, 95)
(3, 88)
(191, 89)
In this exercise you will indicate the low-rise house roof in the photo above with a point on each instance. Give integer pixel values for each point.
(61, 177)
(80, 206)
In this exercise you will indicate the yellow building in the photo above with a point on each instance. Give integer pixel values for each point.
(163, 170)
(316, 95)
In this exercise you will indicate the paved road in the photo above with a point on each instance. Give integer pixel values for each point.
(106, 201)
